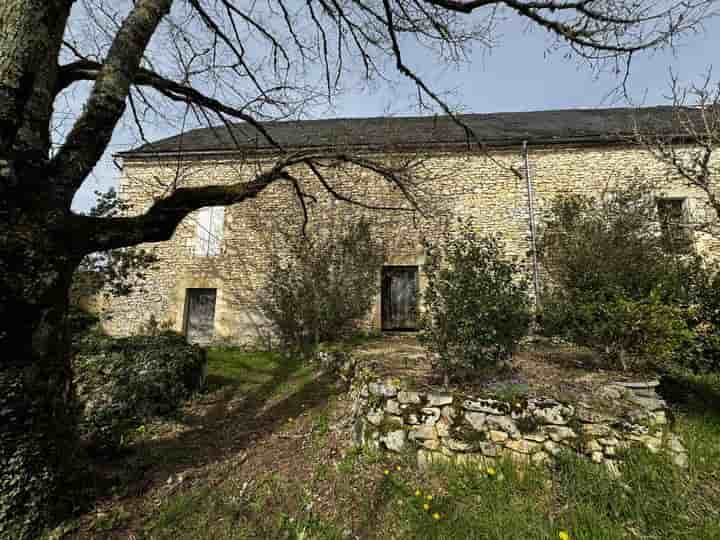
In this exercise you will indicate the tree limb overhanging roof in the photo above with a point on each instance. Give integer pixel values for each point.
(572, 126)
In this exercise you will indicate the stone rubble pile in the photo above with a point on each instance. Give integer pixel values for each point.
(444, 427)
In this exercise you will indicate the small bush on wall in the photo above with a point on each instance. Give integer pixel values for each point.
(476, 306)
(324, 286)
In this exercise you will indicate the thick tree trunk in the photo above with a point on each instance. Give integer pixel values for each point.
(37, 416)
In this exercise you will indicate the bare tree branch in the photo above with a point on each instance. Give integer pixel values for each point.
(91, 133)
(160, 221)
(690, 147)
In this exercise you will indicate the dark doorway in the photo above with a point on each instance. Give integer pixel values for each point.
(399, 300)
(200, 315)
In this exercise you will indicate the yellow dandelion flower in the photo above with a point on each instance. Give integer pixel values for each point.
(426, 506)
(429, 497)
(564, 535)
(436, 516)
(418, 493)
(386, 472)
(490, 471)
(399, 468)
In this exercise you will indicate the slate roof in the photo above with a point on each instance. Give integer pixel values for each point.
(572, 126)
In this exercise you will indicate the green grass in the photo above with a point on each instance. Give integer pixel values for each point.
(348, 493)
(652, 499)
(249, 370)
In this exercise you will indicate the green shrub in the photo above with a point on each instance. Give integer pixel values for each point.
(325, 287)
(477, 309)
(637, 333)
(701, 354)
(122, 382)
(593, 249)
(611, 284)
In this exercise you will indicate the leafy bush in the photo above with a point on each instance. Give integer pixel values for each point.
(477, 309)
(598, 248)
(702, 353)
(626, 331)
(121, 382)
(612, 285)
(325, 287)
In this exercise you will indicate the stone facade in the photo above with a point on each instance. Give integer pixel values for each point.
(450, 184)
(445, 427)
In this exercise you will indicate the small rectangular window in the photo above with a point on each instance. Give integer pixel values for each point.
(209, 231)
(674, 224)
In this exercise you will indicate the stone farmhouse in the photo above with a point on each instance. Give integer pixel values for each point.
(211, 271)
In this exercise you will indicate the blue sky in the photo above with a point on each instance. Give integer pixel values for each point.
(519, 74)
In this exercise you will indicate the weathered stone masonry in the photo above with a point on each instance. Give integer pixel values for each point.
(452, 427)
(456, 182)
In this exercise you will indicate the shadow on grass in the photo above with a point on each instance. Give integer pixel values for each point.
(696, 395)
(239, 410)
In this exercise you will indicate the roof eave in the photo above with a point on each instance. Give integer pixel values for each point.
(436, 146)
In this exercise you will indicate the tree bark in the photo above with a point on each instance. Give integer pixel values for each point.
(37, 412)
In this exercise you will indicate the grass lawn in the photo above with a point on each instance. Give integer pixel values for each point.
(272, 460)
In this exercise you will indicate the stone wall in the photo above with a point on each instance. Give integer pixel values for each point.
(461, 428)
(448, 185)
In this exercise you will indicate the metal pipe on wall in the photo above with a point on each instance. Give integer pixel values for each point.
(531, 219)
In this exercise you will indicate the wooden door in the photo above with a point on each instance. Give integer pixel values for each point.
(200, 315)
(399, 299)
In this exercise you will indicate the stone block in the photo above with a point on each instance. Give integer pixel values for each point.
(393, 407)
(502, 423)
(381, 389)
(395, 440)
(443, 427)
(556, 414)
(423, 432)
(430, 415)
(439, 400)
(552, 448)
(592, 446)
(375, 417)
(497, 436)
(487, 406)
(476, 420)
(560, 433)
(431, 444)
(596, 430)
(488, 449)
(457, 445)
(535, 437)
(405, 397)
(522, 446)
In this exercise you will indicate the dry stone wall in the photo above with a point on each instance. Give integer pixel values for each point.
(448, 185)
(444, 427)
